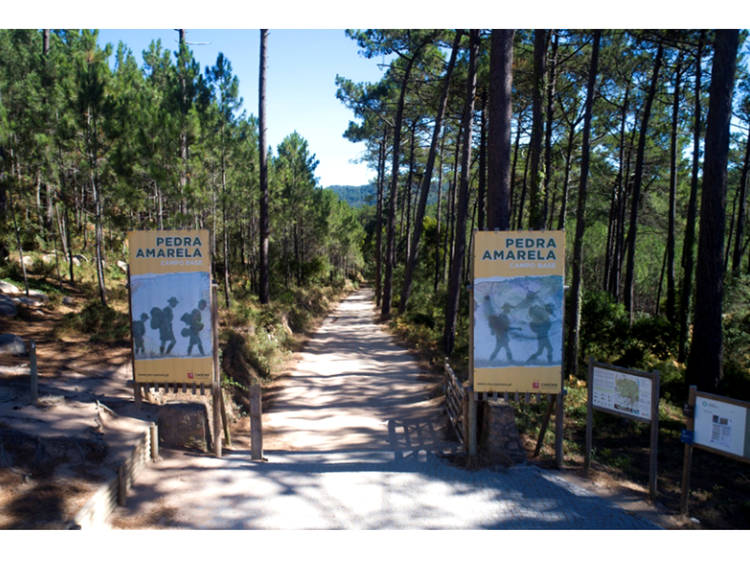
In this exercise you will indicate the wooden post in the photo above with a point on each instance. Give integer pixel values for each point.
(545, 423)
(589, 418)
(559, 429)
(687, 459)
(136, 386)
(215, 381)
(256, 422)
(472, 428)
(122, 484)
(34, 374)
(654, 456)
(154, 432)
(224, 420)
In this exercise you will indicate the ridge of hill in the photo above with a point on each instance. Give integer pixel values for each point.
(360, 195)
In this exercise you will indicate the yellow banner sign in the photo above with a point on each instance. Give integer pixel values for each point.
(170, 306)
(517, 317)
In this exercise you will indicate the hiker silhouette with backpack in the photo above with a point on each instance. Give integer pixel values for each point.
(139, 330)
(500, 327)
(194, 326)
(161, 319)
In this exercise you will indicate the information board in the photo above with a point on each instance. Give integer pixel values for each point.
(622, 393)
(517, 317)
(722, 426)
(170, 306)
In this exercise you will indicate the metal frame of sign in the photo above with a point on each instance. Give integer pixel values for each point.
(688, 438)
(653, 416)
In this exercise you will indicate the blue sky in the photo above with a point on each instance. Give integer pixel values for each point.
(301, 89)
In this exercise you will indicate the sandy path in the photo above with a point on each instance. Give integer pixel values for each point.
(354, 442)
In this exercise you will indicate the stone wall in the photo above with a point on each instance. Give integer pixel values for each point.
(500, 443)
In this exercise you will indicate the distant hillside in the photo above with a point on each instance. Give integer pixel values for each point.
(361, 195)
(355, 195)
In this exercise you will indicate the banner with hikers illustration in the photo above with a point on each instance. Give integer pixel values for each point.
(170, 306)
(517, 316)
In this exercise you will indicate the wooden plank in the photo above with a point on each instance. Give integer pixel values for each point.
(589, 419)
(154, 431)
(256, 422)
(215, 388)
(652, 473)
(136, 388)
(687, 455)
(34, 375)
(224, 420)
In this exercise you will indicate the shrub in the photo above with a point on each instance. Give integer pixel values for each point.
(102, 323)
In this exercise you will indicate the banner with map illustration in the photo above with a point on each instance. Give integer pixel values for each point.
(517, 317)
(170, 306)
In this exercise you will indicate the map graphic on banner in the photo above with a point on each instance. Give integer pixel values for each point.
(517, 314)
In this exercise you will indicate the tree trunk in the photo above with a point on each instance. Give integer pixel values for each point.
(738, 242)
(411, 261)
(536, 186)
(454, 288)
(673, 195)
(704, 366)
(390, 252)
(687, 246)
(574, 324)
(548, 127)
(638, 182)
(379, 220)
(500, 114)
(264, 293)
(482, 187)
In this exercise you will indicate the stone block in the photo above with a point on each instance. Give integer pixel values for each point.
(184, 425)
(500, 443)
(12, 345)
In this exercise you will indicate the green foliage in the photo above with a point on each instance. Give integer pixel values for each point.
(649, 344)
(736, 320)
(101, 323)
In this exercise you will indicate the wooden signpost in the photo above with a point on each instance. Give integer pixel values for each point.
(173, 317)
(627, 393)
(717, 424)
(516, 320)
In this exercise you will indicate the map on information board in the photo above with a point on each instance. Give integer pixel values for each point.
(622, 393)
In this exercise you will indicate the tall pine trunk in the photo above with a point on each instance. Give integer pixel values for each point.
(500, 114)
(673, 195)
(704, 367)
(454, 287)
(264, 292)
(687, 246)
(637, 184)
(740, 230)
(413, 253)
(536, 184)
(574, 325)
(390, 252)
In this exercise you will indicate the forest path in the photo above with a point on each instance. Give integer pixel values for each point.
(354, 441)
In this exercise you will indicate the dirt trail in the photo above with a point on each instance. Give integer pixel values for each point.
(354, 440)
(354, 388)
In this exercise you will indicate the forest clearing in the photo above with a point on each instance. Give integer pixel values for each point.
(620, 155)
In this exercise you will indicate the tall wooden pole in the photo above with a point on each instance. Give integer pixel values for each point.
(215, 381)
